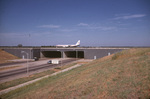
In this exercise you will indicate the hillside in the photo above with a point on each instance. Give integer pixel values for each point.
(123, 75)
(4, 56)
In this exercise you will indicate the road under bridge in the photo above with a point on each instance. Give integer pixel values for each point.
(62, 54)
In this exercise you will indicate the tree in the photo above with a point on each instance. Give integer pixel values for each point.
(20, 45)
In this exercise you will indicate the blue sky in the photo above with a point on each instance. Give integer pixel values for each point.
(94, 22)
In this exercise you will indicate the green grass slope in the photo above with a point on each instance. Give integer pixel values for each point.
(120, 76)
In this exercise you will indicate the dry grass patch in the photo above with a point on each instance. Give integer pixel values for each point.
(4, 56)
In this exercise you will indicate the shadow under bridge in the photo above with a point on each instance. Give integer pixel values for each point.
(63, 54)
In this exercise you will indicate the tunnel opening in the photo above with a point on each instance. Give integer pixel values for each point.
(74, 54)
(51, 54)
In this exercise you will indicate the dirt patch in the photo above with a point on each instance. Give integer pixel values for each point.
(56, 70)
(4, 56)
(148, 53)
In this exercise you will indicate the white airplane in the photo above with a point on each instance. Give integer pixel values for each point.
(77, 44)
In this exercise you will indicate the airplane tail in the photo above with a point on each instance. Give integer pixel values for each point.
(78, 43)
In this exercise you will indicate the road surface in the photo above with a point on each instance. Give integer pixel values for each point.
(13, 73)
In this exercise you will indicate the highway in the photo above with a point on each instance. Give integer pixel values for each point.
(11, 63)
(12, 73)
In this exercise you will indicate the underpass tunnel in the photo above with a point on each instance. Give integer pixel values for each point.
(52, 54)
(66, 54)
(74, 54)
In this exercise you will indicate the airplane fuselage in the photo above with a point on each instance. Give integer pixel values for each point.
(77, 44)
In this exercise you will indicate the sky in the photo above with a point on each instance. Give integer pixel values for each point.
(94, 22)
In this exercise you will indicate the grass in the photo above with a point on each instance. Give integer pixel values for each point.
(32, 77)
(126, 76)
(4, 56)
(7, 68)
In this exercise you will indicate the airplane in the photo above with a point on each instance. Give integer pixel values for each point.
(77, 44)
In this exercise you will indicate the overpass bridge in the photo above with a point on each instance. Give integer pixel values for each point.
(77, 52)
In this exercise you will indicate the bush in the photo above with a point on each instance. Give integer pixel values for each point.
(20, 45)
(115, 56)
(120, 54)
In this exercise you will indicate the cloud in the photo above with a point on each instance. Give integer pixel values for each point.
(104, 28)
(107, 28)
(130, 16)
(68, 30)
(49, 26)
(96, 27)
(83, 24)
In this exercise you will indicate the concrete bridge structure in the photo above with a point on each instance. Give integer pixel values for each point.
(77, 52)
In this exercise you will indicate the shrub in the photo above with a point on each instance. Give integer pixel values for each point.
(115, 56)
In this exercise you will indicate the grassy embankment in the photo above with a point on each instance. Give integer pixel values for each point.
(123, 75)
(33, 76)
(4, 57)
